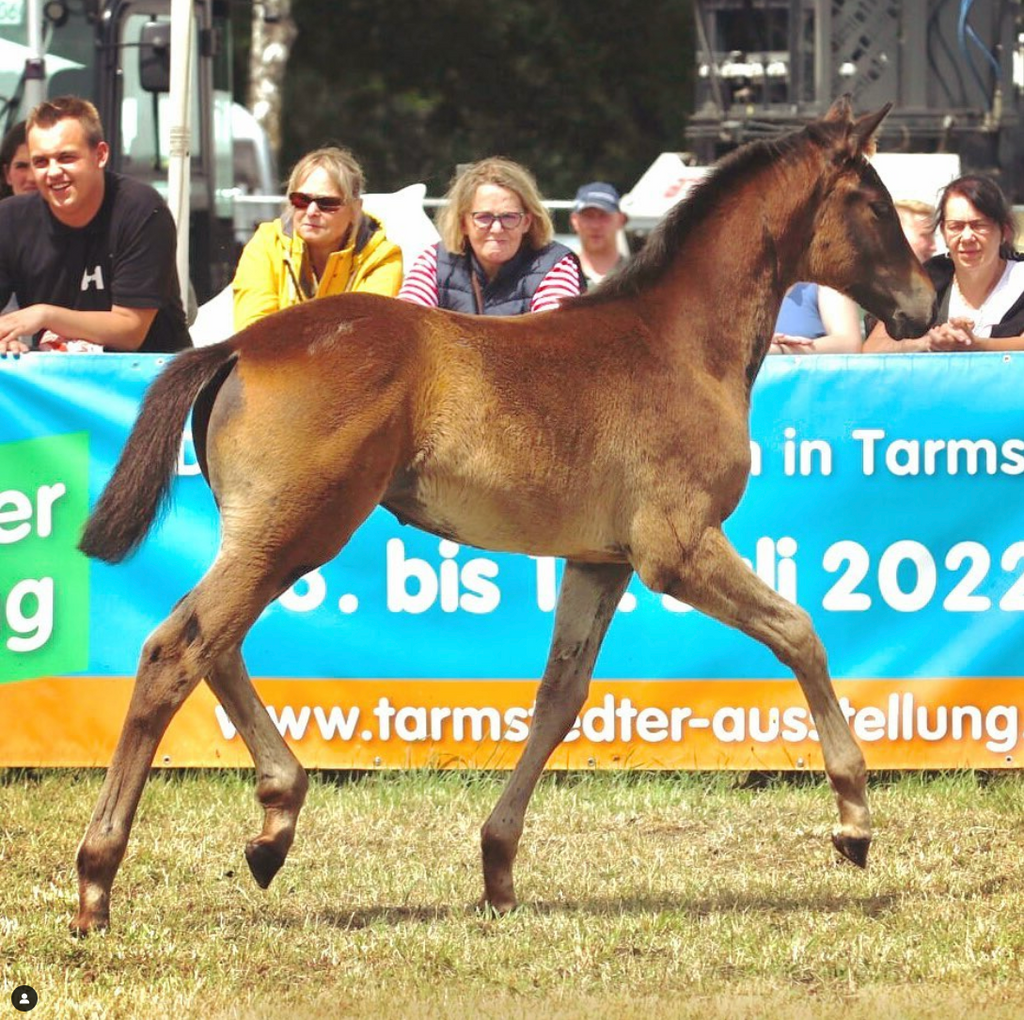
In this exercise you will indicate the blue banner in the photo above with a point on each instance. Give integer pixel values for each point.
(885, 499)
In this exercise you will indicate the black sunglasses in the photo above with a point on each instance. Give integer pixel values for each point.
(325, 203)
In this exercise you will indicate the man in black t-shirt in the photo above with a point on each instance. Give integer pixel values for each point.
(90, 257)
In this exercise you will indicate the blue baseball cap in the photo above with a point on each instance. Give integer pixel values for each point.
(597, 195)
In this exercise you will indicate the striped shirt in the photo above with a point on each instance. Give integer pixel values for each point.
(420, 284)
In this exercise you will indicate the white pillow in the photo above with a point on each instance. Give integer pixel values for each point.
(404, 221)
(215, 321)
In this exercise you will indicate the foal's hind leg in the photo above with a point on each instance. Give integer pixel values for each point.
(281, 781)
(586, 604)
(215, 615)
(715, 580)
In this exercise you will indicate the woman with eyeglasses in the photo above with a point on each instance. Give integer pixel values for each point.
(321, 244)
(980, 282)
(496, 255)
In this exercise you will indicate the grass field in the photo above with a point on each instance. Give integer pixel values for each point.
(644, 895)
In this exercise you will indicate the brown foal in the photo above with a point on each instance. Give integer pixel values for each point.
(612, 432)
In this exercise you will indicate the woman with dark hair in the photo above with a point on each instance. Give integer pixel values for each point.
(980, 281)
(16, 176)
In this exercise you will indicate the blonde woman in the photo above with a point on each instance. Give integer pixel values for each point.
(496, 255)
(321, 244)
(918, 221)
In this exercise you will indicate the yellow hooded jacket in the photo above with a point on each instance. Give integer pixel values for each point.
(273, 266)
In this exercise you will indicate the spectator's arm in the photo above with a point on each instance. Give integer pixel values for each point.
(420, 284)
(120, 329)
(841, 321)
(879, 342)
(255, 289)
(561, 281)
(385, 277)
(1003, 343)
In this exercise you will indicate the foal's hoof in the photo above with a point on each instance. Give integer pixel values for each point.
(853, 848)
(264, 862)
(84, 924)
(491, 909)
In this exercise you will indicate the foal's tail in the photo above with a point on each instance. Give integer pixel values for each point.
(142, 479)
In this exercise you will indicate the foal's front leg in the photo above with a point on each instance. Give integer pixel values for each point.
(587, 601)
(715, 580)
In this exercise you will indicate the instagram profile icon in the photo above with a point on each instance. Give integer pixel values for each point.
(24, 998)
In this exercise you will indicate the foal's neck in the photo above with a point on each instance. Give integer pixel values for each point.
(774, 224)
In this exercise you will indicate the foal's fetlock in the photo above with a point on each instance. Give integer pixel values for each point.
(490, 911)
(93, 910)
(498, 859)
(86, 923)
(282, 797)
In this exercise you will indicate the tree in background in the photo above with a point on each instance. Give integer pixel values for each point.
(272, 33)
(576, 90)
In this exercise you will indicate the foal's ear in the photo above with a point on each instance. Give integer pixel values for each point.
(855, 139)
(841, 110)
(864, 129)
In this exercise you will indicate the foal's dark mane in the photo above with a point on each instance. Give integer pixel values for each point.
(684, 219)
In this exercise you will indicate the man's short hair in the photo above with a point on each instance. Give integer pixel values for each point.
(51, 111)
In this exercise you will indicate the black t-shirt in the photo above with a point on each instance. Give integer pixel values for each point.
(124, 256)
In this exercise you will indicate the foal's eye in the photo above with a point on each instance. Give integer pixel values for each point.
(879, 208)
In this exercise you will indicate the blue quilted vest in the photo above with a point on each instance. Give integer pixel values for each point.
(509, 293)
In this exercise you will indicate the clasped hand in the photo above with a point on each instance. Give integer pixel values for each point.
(21, 322)
(955, 335)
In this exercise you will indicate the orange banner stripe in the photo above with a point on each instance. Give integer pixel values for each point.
(685, 724)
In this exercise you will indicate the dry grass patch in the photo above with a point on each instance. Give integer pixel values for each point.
(644, 895)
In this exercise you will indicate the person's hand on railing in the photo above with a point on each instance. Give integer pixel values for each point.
(17, 326)
(956, 335)
(783, 343)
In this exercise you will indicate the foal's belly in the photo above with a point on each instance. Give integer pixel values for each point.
(540, 523)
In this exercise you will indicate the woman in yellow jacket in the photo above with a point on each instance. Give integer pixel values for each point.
(322, 244)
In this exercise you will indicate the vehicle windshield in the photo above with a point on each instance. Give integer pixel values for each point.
(69, 53)
(70, 57)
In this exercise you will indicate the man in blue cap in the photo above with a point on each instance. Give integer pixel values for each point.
(597, 219)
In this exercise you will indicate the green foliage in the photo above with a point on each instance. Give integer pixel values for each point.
(574, 90)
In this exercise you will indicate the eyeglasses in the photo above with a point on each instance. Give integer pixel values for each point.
(957, 227)
(508, 220)
(325, 203)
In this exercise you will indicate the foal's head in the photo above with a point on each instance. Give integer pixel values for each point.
(858, 245)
